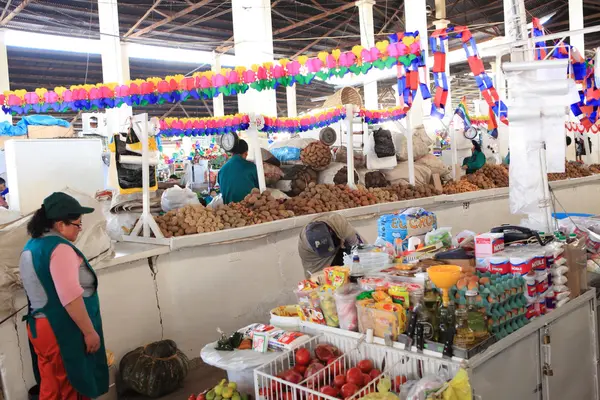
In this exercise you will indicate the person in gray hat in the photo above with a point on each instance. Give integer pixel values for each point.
(323, 241)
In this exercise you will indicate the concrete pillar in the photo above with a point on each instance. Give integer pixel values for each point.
(4, 81)
(125, 62)
(218, 105)
(253, 37)
(292, 109)
(415, 15)
(576, 22)
(112, 60)
(515, 27)
(367, 40)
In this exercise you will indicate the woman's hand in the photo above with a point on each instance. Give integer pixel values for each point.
(92, 342)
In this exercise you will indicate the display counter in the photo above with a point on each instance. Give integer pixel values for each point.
(232, 278)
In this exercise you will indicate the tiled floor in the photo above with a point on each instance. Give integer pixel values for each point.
(201, 378)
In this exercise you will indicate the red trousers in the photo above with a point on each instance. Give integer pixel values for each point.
(54, 383)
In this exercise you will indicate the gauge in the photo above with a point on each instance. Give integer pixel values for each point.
(471, 133)
(328, 136)
(229, 141)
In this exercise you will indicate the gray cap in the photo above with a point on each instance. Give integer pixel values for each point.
(318, 236)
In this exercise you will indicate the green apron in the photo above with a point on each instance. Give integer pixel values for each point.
(87, 373)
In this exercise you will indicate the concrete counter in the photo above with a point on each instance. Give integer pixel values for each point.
(232, 278)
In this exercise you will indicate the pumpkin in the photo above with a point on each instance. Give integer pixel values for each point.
(153, 370)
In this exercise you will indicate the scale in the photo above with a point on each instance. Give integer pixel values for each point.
(229, 141)
(471, 133)
(328, 136)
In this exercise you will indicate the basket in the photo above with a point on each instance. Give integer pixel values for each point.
(346, 95)
(393, 362)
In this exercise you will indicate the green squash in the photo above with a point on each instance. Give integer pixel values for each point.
(153, 370)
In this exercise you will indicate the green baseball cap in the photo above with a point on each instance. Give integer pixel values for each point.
(60, 205)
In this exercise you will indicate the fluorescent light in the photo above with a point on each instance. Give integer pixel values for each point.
(32, 40)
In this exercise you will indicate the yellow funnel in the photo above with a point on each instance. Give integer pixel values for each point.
(444, 277)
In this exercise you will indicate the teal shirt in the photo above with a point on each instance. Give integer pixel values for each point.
(475, 162)
(237, 178)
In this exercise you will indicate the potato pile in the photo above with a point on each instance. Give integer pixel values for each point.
(316, 155)
(595, 168)
(325, 198)
(408, 192)
(189, 220)
(462, 186)
(263, 207)
(375, 179)
(480, 180)
(296, 179)
(383, 195)
(573, 169)
(498, 174)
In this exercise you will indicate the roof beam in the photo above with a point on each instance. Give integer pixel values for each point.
(314, 18)
(15, 12)
(139, 21)
(311, 44)
(199, 20)
(6, 7)
(171, 18)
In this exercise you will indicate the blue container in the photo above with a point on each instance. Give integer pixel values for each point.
(567, 215)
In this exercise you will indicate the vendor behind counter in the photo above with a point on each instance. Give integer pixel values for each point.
(323, 241)
(238, 176)
(476, 160)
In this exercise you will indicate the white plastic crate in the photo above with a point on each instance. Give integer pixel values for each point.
(392, 362)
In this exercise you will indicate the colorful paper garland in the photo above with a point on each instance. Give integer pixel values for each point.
(170, 127)
(205, 85)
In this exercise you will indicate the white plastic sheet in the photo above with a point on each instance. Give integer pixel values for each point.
(176, 197)
(236, 360)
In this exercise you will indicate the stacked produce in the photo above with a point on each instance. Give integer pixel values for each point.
(498, 174)
(461, 186)
(407, 192)
(316, 155)
(324, 198)
(384, 195)
(223, 391)
(573, 169)
(376, 179)
(295, 179)
(191, 219)
(264, 207)
(341, 177)
(595, 168)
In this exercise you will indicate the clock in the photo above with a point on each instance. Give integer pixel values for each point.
(471, 133)
(328, 136)
(229, 141)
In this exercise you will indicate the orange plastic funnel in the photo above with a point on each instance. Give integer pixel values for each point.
(444, 277)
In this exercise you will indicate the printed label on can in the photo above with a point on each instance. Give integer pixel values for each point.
(532, 288)
(531, 310)
(542, 285)
(502, 267)
(542, 307)
(539, 263)
(520, 265)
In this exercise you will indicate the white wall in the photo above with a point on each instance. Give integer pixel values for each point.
(230, 285)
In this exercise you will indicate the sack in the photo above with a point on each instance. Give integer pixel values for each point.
(216, 201)
(435, 164)
(375, 179)
(336, 174)
(176, 197)
(130, 175)
(120, 224)
(373, 161)
(421, 144)
(399, 174)
(295, 179)
(266, 156)
(272, 173)
(341, 156)
(384, 145)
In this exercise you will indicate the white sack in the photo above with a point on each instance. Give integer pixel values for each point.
(399, 175)
(176, 197)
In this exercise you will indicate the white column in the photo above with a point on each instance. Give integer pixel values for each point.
(515, 26)
(218, 105)
(576, 22)
(367, 40)
(415, 16)
(112, 60)
(125, 62)
(292, 109)
(4, 81)
(253, 36)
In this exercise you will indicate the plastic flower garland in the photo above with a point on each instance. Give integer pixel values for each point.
(204, 126)
(207, 84)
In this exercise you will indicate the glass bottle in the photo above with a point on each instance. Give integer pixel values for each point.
(424, 316)
(430, 300)
(463, 335)
(445, 324)
(477, 320)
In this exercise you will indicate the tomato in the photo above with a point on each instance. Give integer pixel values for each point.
(303, 356)
(329, 391)
(398, 382)
(339, 381)
(365, 366)
(374, 373)
(201, 396)
(192, 397)
(336, 366)
(355, 376)
(348, 390)
(301, 369)
(367, 378)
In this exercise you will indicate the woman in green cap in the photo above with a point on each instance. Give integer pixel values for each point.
(63, 323)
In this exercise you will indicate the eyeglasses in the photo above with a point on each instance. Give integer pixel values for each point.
(79, 225)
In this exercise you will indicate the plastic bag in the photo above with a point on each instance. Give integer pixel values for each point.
(216, 201)
(289, 150)
(237, 360)
(272, 173)
(176, 197)
(129, 175)
(345, 302)
(425, 387)
(120, 224)
(459, 387)
(466, 240)
(443, 235)
(334, 175)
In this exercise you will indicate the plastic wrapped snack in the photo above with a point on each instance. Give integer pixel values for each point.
(328, 306)
(345, 303)
(441, 235)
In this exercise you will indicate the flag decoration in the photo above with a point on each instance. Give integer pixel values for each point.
(411, 75)
(304, 123)
(540, 47)
(484, 82)
(463, 112)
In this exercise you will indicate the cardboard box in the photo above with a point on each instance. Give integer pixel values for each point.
(576, 256)
(49, 132)
(488, 244)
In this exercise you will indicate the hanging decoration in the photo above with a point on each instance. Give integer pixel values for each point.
(411, 74)
(304, 123)
(207, 84)
(484, 82)
(579, 128)
(204, 126)
(385, 115)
